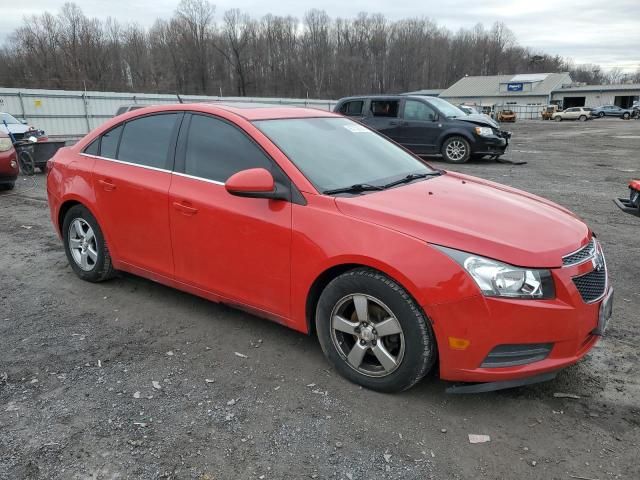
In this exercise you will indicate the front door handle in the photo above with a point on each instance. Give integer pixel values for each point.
(107, 185)
(185, 209)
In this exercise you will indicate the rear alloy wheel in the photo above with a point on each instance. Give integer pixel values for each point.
(601, 114)
(85, 246)
(373, 333)
(456, 150)
(583, 118)
(558, 118)
(626, 115)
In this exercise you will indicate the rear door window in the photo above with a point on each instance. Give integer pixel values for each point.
(109, 142)
(146, 141)
(352, 108)
(93, 148)
(385, 108)
(216, 150)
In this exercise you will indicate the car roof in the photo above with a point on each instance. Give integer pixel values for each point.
(248, 111)
(384, 97)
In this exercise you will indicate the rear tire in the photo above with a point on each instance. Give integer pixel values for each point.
(456, 150)
(626, 116)
(85, 246)
(558, 118)
(583, 118)
(373, 332)
(601, 114)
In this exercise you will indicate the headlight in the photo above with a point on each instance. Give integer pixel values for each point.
(497, 279)
(484, 131)
(5, 144)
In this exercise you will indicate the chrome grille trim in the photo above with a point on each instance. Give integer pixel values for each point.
(581, 255)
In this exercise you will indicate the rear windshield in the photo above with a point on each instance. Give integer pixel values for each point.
(337, 152)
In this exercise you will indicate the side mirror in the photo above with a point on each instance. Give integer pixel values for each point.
(255, 183)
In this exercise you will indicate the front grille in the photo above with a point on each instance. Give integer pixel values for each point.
(592, 285)
(18, 136)
(581, 255)
(518, 354)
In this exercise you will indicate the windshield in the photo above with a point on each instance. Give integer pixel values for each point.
(447, 109)
(9, 119)
(337, 152)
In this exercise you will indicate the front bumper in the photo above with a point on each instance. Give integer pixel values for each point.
(632, 204)
(491, 145)
(8, 180)
(569, 324)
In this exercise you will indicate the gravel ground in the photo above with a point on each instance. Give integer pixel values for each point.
(130, 379)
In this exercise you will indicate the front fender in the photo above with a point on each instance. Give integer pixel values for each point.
(455, 132)
(324, 238)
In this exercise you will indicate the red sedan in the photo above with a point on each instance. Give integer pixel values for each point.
(8, 163)
(316, 222)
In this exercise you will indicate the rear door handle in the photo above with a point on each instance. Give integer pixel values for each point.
(107, 185)
(185, 209)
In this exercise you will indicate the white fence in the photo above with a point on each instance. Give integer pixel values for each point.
(63, 113)
(523, 112)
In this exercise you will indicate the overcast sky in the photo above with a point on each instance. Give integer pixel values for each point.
(605, 32)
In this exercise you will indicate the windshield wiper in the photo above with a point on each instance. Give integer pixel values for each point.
(411, 177)
(357, 188)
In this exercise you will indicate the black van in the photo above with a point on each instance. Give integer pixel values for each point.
(428, 125)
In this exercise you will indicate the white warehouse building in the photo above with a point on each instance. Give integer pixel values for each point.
(527, 94)
(596, 95)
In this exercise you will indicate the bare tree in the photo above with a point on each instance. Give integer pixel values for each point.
(195, 52)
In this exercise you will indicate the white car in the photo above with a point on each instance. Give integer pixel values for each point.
(575, 113)
(18, 129)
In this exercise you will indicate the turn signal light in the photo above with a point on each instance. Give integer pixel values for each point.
(459, 343)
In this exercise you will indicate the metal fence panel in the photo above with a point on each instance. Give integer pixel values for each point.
(65, 113)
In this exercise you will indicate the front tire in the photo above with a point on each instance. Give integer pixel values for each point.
(626, 116)
(456, 150)
(373, 332)
(558, 118)
(85, 246)
(601, 114)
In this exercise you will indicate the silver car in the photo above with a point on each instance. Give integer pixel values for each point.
(575, 113)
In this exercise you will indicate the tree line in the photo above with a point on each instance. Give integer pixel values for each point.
(197, 51)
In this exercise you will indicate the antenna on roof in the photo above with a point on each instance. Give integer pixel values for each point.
(179, 98)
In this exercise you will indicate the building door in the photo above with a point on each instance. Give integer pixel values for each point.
(570, 102)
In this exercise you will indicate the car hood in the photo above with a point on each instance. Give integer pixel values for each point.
(14, 128)
(480, 119)
(478, 216)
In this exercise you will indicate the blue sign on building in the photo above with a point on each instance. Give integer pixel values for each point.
(514, 87)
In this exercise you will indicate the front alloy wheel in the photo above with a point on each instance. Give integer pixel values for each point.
(373, 332)
(367, 335)
(456, 150)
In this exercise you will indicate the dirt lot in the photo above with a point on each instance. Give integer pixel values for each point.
(78, 364)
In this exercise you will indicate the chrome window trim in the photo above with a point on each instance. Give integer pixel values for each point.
(98, 157)
(215, 182)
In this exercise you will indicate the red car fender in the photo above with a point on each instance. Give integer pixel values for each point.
(67, 184)
(415, 265)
